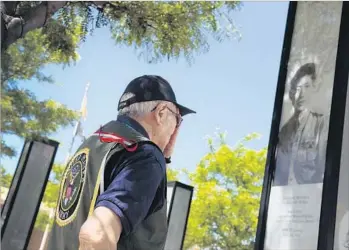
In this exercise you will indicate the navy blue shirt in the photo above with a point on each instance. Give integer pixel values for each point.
(135, 182)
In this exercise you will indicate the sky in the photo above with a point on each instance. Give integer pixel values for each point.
(232, 87)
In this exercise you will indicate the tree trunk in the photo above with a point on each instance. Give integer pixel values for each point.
(9, 7)
(13, 27)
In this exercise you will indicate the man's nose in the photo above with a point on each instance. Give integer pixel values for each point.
(298, 93)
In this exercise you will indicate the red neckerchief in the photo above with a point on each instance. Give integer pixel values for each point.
(107, 137)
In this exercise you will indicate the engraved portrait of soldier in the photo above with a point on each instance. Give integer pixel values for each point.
(301, 150)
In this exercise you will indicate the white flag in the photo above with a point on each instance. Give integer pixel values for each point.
(83, 108)
(78, 131)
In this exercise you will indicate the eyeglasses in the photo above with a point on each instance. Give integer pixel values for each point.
(179, 118)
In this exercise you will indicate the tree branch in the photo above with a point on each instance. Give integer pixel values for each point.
(35, 18)
(102, 5)
(9, 7)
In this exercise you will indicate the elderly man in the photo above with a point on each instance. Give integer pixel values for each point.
(113, 192)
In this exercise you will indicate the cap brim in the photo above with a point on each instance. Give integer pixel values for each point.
(184, 110)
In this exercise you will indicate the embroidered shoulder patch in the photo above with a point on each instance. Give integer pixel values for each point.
(71, 188)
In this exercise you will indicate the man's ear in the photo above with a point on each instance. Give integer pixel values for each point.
(159, 113)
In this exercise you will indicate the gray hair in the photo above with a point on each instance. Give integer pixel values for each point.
(137, 109)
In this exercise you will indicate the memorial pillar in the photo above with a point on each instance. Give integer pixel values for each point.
(301, 207)
(27, 188)
(179, 198)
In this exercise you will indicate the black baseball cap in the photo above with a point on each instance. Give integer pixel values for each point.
(151, 88)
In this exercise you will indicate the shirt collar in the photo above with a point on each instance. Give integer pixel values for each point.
(133, 124)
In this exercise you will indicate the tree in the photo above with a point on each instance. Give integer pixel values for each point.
(34, 34)
(166, 29)
(5, 177)
(52, 188)
(22, 114)
(227, 185)
(172, 174)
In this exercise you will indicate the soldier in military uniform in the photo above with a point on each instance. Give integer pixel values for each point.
(113, 191)
(302, 140)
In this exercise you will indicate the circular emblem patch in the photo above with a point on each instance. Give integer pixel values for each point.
(72, 185)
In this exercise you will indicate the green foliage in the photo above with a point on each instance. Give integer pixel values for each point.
(5, 177)
(156, 30)
(228, 183)
(172, 174)
(52, 188)
(161, 30)
(22, 114)
(42, 220)
(49, 201)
